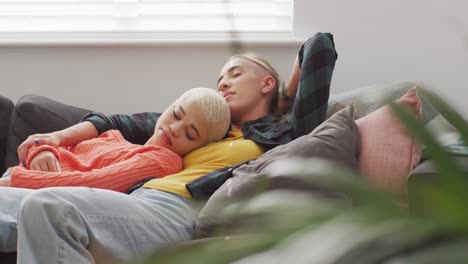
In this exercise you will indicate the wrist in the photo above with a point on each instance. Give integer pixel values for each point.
(285, 95)
(58, 137)
(35, 151)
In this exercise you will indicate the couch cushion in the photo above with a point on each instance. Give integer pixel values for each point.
(388, 152)
(428, 167)
(6, 107)
(426, 174)
(336, 139)
(368, 99)
(447, 136)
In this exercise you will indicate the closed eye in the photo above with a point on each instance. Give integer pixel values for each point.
(175, 115)
(188, 136)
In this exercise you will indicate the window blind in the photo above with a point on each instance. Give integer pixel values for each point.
(146, 16)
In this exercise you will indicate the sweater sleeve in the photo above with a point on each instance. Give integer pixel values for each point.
(317, 58)
(119, 176)
(34, 151)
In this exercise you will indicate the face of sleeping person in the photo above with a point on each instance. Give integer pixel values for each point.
(242, 83)
(181, 128)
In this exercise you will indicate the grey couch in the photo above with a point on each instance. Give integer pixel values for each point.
(36, 114)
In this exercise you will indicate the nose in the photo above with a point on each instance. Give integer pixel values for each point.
(174, 129)
(223, 85)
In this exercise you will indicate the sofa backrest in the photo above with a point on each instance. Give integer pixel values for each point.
(369, 98)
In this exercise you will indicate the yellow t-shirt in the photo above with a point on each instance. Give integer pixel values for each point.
(232, 150)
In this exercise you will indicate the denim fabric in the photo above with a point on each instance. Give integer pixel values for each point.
(84, 225)
(10, 199)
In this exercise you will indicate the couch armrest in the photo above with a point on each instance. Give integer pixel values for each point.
(426, 174)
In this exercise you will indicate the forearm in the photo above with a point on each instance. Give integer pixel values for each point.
(136, 128)
(66, 137)
(293, 83)
(76, 134)
(287, 94)
(119, 176)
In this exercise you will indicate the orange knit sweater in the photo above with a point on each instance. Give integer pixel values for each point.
(107, 162)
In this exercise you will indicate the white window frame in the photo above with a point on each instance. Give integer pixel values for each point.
(128, 32)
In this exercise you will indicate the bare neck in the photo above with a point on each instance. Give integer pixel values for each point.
(252, 114)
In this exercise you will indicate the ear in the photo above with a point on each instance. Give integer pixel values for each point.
(268, 84)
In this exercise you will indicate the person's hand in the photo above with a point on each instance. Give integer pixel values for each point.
(50, 139)
(283, 105)
(45, 161)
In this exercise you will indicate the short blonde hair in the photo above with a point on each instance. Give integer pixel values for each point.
(271, 71)
(215, 108)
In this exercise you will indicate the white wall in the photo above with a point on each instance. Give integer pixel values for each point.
(384, 41)
(377, 41)
(124, 79)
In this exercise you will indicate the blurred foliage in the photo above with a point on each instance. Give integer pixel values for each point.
(365, 226)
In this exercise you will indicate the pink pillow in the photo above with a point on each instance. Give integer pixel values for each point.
(388, 152)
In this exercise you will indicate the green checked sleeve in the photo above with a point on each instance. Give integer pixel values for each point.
(136, 128)
(317, 58)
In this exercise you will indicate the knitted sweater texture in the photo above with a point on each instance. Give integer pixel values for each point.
(107, 162)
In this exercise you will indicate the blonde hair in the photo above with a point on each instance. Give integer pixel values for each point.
(215, 109)
(270, 70)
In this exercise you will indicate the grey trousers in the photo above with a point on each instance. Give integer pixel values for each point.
(85, 225)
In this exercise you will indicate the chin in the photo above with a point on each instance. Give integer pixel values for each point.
(180, 154)
(233, 107)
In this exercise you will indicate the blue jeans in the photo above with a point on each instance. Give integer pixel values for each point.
(84, 225)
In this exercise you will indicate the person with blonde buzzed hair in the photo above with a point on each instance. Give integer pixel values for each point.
(214, 108)
(178, 122)
(198, 117)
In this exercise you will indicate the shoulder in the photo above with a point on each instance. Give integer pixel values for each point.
(235, 148)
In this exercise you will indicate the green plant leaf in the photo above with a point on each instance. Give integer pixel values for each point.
(454, 118)
(446, 165)
(447, 195)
